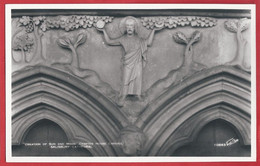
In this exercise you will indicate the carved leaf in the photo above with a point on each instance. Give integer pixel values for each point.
(80, 40)
(231, 26)
(180, 38)
(195, 36)
(194, 23)
(36, 20)
(63, 43)
(243, 24)
(25, 20)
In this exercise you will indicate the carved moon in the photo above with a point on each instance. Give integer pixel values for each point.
(100, 24)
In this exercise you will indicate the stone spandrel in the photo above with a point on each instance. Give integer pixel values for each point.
(126, 83)
(94, 54)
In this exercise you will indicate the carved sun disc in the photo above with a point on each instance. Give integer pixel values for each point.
(100, 24)
(159, 24)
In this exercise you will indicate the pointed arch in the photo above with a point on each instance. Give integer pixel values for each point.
(220, 92)
(82, 112)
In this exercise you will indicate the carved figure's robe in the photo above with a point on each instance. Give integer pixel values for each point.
(133, 63)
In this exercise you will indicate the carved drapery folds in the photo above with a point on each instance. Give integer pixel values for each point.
(164, 125)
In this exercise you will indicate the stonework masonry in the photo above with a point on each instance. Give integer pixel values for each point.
(193, 68)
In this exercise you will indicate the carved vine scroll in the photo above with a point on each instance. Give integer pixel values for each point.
(40, 24)
(69, 23)
(174, 22)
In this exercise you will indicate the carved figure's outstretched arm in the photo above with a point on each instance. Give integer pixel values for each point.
(151, 36)
(113, 42)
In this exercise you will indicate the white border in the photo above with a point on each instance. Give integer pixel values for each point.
(10, 158)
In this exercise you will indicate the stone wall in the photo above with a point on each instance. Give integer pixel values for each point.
(197, 70)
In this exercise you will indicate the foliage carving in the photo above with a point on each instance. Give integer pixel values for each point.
(23, 43)
(174, 22)
(238, 26)
(188, 66)
(69, 23)
(67, 43)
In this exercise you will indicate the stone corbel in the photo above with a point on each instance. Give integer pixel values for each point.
(133, 140)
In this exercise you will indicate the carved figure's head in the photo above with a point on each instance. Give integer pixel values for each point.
(129, 25)
(132, 139)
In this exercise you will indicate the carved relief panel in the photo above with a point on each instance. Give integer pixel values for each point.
(133, 66)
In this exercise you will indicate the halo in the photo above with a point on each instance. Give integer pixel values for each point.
(122, 24)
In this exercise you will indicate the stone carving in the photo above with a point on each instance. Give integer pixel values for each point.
(189, 63)
(133, 107)
(66, 43)
(133, 140)
(70, 23)
(23, 43)
(238, 26)
(38, 25)
(17, 31)
(173, 22)
(90, 77)
(135, 56)
(73, 67)
(187, 67)
(32, 24)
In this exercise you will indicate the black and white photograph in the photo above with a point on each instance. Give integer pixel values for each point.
(139, 82)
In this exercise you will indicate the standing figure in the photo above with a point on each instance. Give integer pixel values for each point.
(134, 59)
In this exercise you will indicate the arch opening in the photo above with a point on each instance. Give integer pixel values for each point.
(216, 138)
(47, 138)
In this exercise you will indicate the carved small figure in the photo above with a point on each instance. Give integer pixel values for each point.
(66, 43)
(23, 43)
(133, 140)
(238, 26)
(135, 56)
